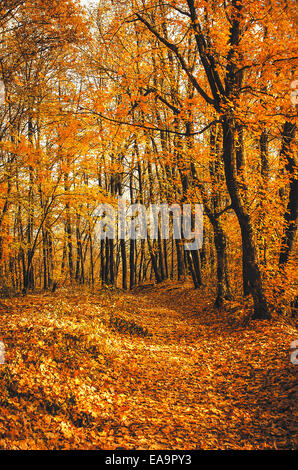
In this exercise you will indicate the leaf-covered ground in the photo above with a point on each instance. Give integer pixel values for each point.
(200, 379)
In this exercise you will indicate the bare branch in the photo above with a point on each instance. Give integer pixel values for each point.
(183, 63)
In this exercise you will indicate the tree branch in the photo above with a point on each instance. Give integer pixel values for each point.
(183, 63)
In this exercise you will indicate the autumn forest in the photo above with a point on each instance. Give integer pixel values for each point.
(111, 341)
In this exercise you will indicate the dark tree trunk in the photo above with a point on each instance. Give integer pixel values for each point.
(102, 261)
(180, 263)
(165, 258)
(195, 256)
(131, 264)
(111, 261)
(223, 287)
(124, 264)
(154, 262)
(248, 244)
(290, 216)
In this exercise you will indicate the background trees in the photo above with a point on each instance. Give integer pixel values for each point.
(183, 101)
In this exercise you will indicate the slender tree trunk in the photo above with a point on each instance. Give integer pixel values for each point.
(154, 264)
(124, 264)
(180, 262)
(290, 216)
(131, 264)
(102, 261)
(91, 257)
(111, 261)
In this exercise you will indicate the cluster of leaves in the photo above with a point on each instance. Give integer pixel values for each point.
(96, 103)
(126, 326)
(201, 382)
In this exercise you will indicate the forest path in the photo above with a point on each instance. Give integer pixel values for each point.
(203, 380)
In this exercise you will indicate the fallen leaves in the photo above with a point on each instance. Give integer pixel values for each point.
(70, 381)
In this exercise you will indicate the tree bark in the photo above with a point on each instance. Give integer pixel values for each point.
(248, 243)
(290, 216)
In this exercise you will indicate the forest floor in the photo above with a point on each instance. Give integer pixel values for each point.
(201, 378)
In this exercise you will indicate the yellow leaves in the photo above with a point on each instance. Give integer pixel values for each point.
(18, 81)
(167, 430)
(23, 147)
(196, 383)
(66, 430)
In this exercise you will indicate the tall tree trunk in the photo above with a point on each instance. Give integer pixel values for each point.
(180, 262)
(248, 243)
(124, 264)
(290, 216)
(131, 263)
